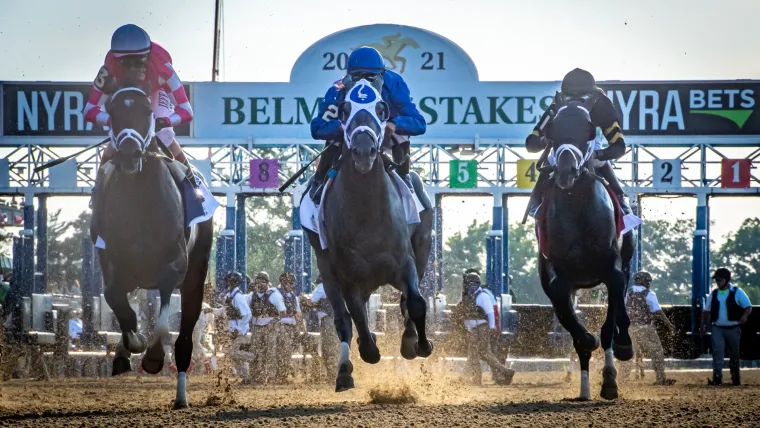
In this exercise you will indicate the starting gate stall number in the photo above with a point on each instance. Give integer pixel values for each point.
(263, 173)
(527, 174)
(666, 173)
(735, 173)
(463, 174)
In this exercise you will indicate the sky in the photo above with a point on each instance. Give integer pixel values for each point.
(507, 40)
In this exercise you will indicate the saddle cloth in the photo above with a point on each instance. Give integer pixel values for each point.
(312, 216)
(198, 206)
(623, 223)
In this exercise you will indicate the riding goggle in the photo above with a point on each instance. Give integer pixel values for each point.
(133, 61)
(366, 75)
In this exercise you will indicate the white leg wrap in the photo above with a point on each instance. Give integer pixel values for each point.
(609, 359)
(162, 326)
(181, 399)
(585, 385)
(345, 353)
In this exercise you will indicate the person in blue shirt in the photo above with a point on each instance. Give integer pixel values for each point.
(727, 308)
(405, 120)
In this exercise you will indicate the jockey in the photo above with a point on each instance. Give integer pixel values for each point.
(580, 85)
(405, 120)
(134, 57)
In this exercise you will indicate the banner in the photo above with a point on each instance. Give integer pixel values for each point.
(52, 109)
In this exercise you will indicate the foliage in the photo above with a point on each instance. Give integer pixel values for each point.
(65, 250)
(461, 252)
(666, 254)
(740, 253)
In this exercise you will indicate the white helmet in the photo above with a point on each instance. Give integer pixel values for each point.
(130, 40)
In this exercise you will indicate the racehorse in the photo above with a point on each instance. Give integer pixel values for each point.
(140, 217)
(580, 247)
(369, 241)
(391, 49)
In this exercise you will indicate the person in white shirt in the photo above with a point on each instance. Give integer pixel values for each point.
(292, 326)
(643, 309)
(727, 308)
(239, 317)
(75, 328)
(267, 306)
(327, 334)
(480, 322)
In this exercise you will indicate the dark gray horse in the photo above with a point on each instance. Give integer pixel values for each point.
(369, 242)
(140, 215)
(583, 245)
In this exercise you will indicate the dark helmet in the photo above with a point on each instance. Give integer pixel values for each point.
(130, 40)
(365, 59)
(578, 83)
(471, 278)
(722, 273)
(233, 279)
(643, 277)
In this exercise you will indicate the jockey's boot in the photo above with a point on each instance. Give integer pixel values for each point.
(402, 157)
(324, 166)
(538, 193)
(608, 174)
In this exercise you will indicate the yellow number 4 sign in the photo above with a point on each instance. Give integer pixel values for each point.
(526, 173)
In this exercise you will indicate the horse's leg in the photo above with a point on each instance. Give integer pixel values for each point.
(409, 338)
(560, 295)
(417, 308)
(621, 345)
(132, 342)
(584, 356)
(402, 60)
(357, 307)
(615, 307)
(344, 381)
(153, 360)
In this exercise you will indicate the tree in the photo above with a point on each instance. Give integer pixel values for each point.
(666, 254)
(523, 265)
(65, 252)
(462, 252)
(740, 253)
(268, 220)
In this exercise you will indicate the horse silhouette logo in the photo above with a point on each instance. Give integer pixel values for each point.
(391, 49)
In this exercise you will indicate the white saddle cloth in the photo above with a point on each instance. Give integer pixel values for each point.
(312, 216)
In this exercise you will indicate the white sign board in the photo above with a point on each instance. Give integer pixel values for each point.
(666, 173)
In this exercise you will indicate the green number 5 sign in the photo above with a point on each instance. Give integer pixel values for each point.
(463, 174)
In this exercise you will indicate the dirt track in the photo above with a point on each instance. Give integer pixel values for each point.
(441, 401)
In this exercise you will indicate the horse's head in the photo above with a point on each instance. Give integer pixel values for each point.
(572, 134)
(363, 115)
(132, 127)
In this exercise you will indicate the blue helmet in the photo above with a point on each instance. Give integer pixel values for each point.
(130, 40)
(365, 59)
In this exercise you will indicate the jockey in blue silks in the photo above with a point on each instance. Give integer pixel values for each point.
(405, 120)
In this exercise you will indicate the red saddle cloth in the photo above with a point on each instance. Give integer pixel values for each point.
(541, 220)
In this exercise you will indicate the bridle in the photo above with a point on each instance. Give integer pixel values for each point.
(131, 134)
(579, 158)
(365, 97)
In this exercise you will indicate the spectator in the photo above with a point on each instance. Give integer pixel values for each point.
(727, 308)
(643, 310)
(292, 326)
(480, 322)
(75, 329)
(327, 334)
(267, 304)
(75, 290)
(239, 316)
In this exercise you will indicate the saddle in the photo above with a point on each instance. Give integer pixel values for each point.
(541, 218)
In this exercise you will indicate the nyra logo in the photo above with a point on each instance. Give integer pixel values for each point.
(731, 104)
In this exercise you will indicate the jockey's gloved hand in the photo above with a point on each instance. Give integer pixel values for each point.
(162, 122)
(534, 143)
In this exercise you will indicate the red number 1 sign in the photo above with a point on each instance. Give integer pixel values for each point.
(735, 173)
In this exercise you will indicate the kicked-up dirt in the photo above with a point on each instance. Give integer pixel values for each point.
(419, 397)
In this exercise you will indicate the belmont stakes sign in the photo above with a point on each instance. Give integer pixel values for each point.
(444, 84)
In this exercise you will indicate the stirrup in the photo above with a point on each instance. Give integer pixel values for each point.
(315, 191)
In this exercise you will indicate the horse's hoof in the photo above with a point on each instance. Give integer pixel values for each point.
(370, 353)
(180, 405)
(425, 351)
(622, 352)
(135, 342)
(610, 393)
(153, 360)
(121, 365)
(344, 381)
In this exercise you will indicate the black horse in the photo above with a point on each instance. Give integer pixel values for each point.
(140, 216)
(369, 242)
(580, 247)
